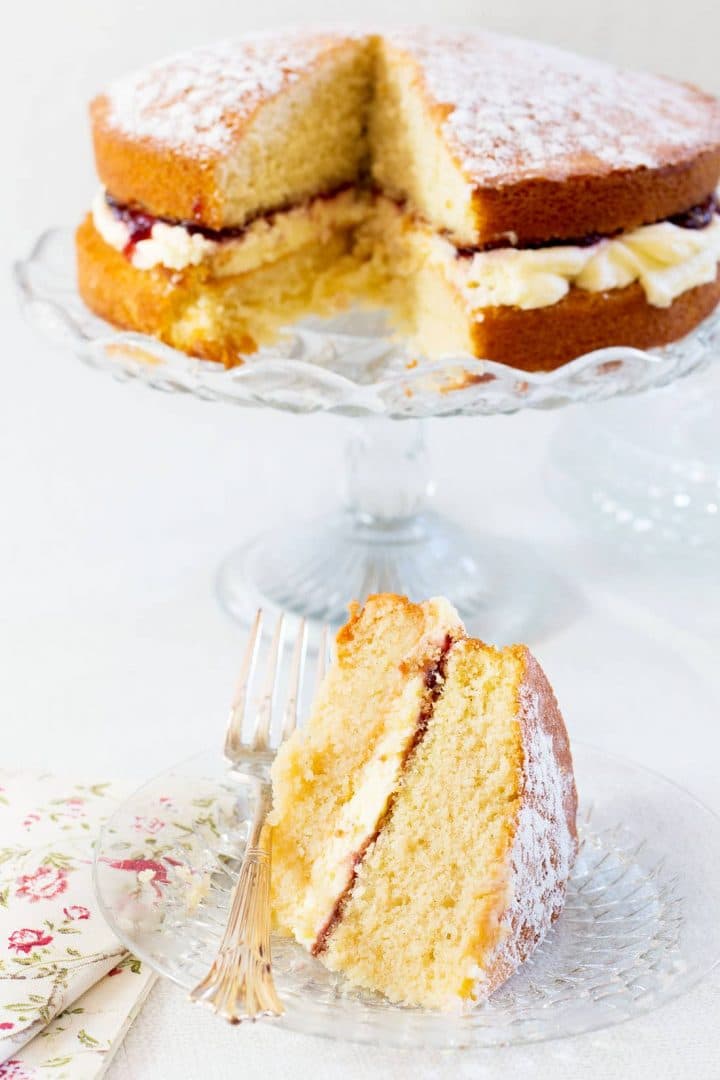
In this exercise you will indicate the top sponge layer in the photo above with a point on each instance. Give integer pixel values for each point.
(496, 135)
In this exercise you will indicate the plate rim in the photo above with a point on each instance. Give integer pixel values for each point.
(367, 1034)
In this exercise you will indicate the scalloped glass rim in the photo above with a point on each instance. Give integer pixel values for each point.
(348, 365)
(638, 929)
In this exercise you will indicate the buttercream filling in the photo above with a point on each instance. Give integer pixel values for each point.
(667, 258)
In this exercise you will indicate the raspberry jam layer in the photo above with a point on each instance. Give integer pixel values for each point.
(140, 225)
(434, 681)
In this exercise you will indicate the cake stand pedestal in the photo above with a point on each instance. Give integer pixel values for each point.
(384, 538)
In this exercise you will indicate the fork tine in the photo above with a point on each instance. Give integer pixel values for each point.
(297, 670)
(238, 708)
(263, 716)
(322, 659)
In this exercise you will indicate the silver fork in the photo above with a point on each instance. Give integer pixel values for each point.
(239, 985)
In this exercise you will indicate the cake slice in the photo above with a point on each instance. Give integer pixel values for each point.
(424, 820)
(334, 782)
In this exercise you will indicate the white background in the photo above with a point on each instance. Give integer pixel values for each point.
(116, 504)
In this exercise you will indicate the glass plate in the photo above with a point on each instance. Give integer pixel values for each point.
(640, 924)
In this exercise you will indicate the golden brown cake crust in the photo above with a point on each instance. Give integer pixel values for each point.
(544, 710)
(539, 891)
(166, 182)
(545, 338)
(150, 301)
(585, 204)
(161, 136)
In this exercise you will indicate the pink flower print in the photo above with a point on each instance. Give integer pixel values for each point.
(44, 884)
(76, 912)
(75, 807)
(148, 825)
(158, 873)
(6, 1026)
(115, 971)
(24, 941)
(30, 820)
(15, 1070)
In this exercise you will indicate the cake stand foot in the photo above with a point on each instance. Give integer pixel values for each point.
(387, 540)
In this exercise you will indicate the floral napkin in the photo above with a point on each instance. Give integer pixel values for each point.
(68, 988)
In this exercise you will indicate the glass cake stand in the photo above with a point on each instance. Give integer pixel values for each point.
(384, 537)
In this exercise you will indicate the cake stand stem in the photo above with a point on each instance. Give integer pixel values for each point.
(370, 544)
(384, 538)
(387, 478)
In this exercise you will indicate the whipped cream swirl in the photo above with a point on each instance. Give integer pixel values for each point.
(666, 259)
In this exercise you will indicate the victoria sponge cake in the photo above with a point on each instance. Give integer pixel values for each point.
(424, 819)
(501, 198)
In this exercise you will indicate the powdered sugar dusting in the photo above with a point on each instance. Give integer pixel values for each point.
(517, 109)
(545, 842)
(198, 101)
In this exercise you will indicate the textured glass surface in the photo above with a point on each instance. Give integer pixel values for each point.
(655, 488)
(347, 365)
(639, 927)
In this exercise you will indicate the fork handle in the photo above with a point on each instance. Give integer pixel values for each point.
(240, 985)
